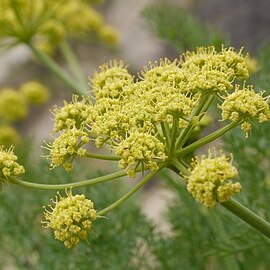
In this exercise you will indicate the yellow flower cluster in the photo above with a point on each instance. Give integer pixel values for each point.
(140, 147)
(8, 165)
(48, 22)
(135, 118)
(66, 146)
(210, 180)
(245, 104)
(71, 218)
(75, 114)
(112, 81)
(212, 71)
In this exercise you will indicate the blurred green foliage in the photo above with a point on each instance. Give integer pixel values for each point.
(179, 28)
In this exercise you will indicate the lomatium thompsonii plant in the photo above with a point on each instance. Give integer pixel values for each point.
(147, 125)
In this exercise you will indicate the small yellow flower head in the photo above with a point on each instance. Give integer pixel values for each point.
(66, 146)
(12, 105)
(233, 64)
(200, 57)
(207, 79)
(165, 72)
(168, 102)
(237, 62)
(140, 148)
(112, 81)
(71, 218)
(34, 92)
(210, 179)
(8, 165)
(8, 135)
(245, 104)
(108, 34)
(74, 114)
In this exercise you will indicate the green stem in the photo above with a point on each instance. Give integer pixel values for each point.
(180, 167)
(166, 132)
(248, 216)
(173, 136)
(190, 148)
(236, 208)
(202, 107)
(70, 185)
(73, 63)
(128, 194)
(104, 157)
(57, 70)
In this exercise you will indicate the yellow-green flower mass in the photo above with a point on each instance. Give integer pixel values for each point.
(143, 120)
(138, 147)
(8, 135)
(9, 167)
(13, 106)
(211, 179)
(75, 114)
(66, 146)
(34, 92)
(46, 23)
(71, 218)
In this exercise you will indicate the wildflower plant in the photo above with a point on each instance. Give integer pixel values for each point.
(147, 124)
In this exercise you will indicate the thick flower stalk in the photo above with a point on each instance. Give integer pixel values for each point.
(153, 122)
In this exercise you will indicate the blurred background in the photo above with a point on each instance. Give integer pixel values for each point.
(161, 228)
